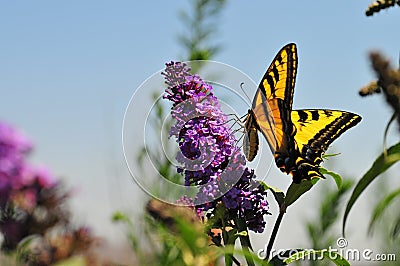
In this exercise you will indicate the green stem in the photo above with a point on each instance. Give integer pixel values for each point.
(245, 241)
(229, 258)
(228, 254)
(274, 233)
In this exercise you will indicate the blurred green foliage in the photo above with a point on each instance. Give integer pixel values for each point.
(388, 82)
(174, 236)
(201, 27)
(320, 229)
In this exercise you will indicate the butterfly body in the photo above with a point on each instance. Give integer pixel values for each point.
(297, 138)
(252, 128)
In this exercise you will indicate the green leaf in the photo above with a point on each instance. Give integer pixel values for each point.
(229, 255)
(381, 164)
(119, 217)
(275, 261)
(338, 179)
(278, 194)
(74, 261)
(326, 156)
(296, 190)
(23, 246)
(242, 233)
(382, 205)
(396, 228)
(318, 255)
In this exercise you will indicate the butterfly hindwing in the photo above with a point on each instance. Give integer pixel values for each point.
(315, 131)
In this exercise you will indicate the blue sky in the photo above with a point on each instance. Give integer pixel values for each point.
(69, 68)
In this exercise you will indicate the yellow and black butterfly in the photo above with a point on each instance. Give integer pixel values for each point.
(298, 138)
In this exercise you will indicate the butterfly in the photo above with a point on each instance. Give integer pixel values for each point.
(297, 138)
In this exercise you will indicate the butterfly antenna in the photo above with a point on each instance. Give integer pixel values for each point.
(247, 96)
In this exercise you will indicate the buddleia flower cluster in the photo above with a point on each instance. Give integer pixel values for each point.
(208, 153)
(32, 207)
(23, 190)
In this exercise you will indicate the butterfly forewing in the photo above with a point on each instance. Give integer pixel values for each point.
(278, 82)
(273, 100)
(277, 88)
(266, 120)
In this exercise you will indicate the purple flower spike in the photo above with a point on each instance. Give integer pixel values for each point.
(208, 153)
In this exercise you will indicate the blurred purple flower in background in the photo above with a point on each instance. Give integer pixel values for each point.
(13, 147)
(23, 189)
(32, 203)
(208, 153)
